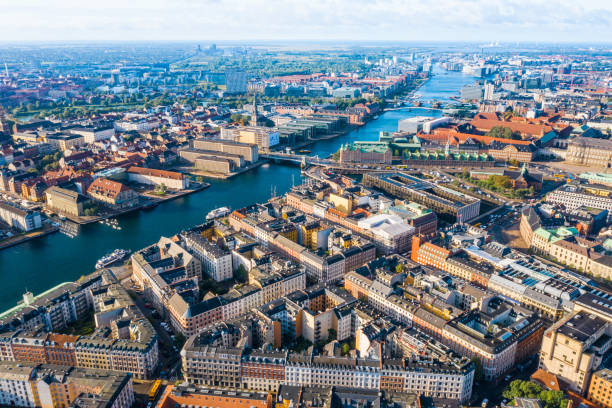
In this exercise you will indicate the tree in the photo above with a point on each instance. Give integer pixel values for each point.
(332, 335)
(242, 275)
(91, 210)
(527, 389)
(504, 132)
(345, 348)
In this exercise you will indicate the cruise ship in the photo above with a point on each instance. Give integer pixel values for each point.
(217, 213)
(116, 255)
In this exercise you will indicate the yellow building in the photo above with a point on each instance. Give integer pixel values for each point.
(342, 203)
(309, 234)
(600, 390)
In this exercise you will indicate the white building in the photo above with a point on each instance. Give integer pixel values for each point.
(573, 197)
(94, 134)
(23, 220)
(15, 388)
(216, 263)
(170, 179)
(137, 125)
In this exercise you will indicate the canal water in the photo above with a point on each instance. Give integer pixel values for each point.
(42, 263)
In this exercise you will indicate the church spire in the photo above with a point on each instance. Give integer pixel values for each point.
(254, 121)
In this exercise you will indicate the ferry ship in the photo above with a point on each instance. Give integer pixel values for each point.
(217, 213)
(116, 255)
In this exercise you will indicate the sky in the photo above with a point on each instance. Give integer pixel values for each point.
(359, 20)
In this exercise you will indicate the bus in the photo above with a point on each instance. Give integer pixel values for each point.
(154, 391)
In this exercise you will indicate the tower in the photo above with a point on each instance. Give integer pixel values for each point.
(253, 121)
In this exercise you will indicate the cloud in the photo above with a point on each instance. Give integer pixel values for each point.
(400, 20)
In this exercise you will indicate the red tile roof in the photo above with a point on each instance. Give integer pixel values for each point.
(487, 121)
(110, 188)
(156, 173)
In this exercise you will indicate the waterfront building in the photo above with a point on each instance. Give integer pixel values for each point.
(18, 218)
(169, 277)
(66, 201)
(420, 124)
(124, 340)
(471, 92)
(263, 137)
(113, 194)
(170, 179)
(248, 151)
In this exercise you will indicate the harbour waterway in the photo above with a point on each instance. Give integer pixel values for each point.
(40, 264)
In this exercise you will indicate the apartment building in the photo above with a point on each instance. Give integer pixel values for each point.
(18, 218)
(53, 309)
(573, 196)
(32, 385)
(268, 370)
(574, 347)
(500, 334)
(216, 262)
(174, 396)
(429, 254)
(169, 274)
(124, 340)
(600, 389)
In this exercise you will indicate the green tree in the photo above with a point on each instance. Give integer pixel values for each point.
(345, 348)
(242, 275)
(504, 132)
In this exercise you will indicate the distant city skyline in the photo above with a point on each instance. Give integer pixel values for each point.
(355, 20)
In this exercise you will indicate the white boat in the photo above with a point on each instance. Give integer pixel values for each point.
(116, 255)
(217, 213)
